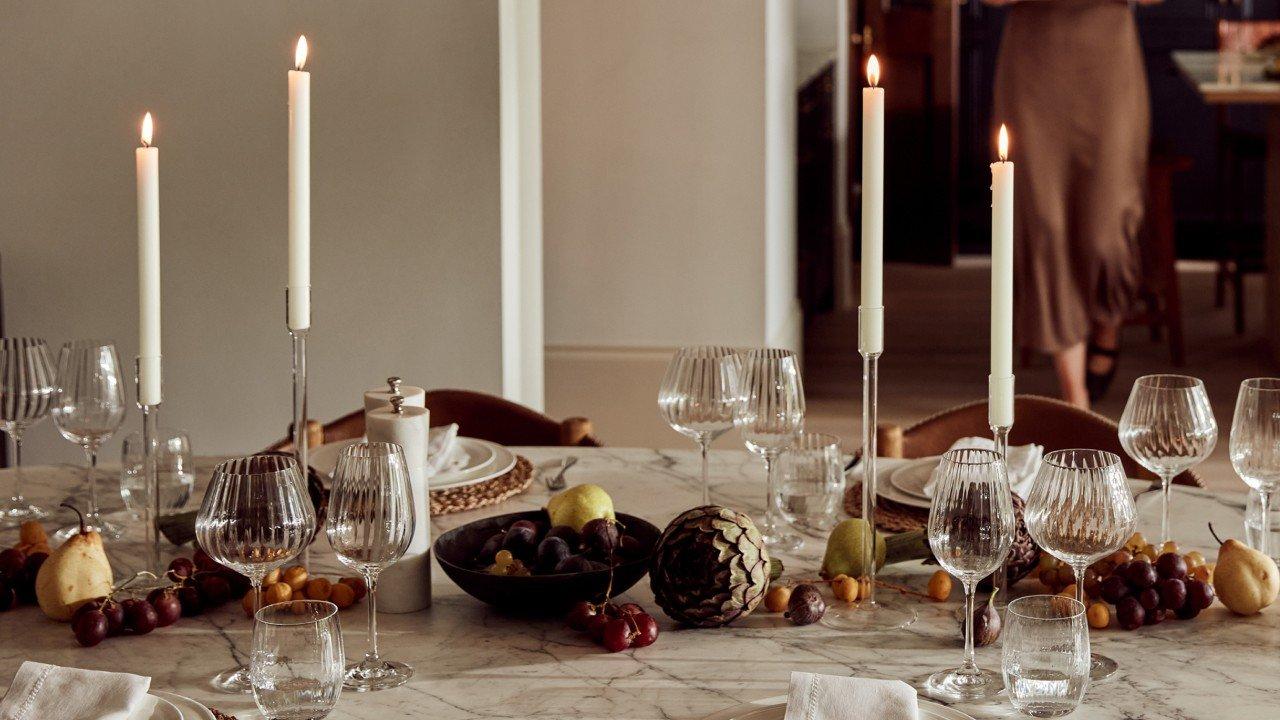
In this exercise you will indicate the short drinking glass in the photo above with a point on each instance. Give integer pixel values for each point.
(297, 662)
(812, 485)
(971, 528)
(1255, 446)
(1045, 655)
(175, 472)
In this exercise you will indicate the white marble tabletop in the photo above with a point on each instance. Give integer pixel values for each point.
(474, 662)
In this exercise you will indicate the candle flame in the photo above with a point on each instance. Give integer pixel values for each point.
(146, 130)
(1002, 143)
(300, 54)
(873, 71)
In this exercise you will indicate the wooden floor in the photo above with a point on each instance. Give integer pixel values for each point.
(936, 340)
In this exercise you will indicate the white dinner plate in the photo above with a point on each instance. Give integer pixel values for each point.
(775, 708)
(154, 707)
(886, 489)
(189, 709)
(485, 461)
(911, 478)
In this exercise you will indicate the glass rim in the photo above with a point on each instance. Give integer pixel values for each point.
(89, 344)
(711, 352)
(1261, 384)
(368, 450)
(821, 440)
(285, 612)
(771, 353)
(24, 339)
(272, 463)
(1077, 608)
(1111, 459)
(1169, 381)
(956, 456)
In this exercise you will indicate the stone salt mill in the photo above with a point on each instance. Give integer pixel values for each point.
(406, 586)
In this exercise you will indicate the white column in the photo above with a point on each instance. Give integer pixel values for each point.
(843, 229)
(782, 308)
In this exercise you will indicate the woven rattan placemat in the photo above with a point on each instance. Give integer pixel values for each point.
(890, 516)
(489, 492)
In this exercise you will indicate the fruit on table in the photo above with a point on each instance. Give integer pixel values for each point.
(1129, 613)
(295, 576)
(75, 573)
(986, 623)
(342, 595)
(845, 553)
(278, 593)
(1147, 593)
(844, 588)
(710, 567)
(806, 605)
(318, 589)
(615, 627)
(1245, 580)
(578, 505)
(1099, 615)
(357, 586)
(940, 586)
(777, 598)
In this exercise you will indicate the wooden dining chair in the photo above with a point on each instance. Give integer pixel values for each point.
(478, 415)
(1045, 421)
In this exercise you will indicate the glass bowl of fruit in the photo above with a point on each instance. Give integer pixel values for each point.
(520, 561)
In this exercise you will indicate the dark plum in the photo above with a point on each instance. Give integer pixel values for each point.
(600, 537)
(1173, 593)
(551, 551)
(566, 533)
(1141, 575)
(490, 548)
(521, 541)
(1171, 566)
(1129, 614)
(1200, 593)
(1149, 599)
(1114, 589)
(573, 564)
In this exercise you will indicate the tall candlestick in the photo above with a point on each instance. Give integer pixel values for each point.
(871, 311)
(147, 159)
(1000, 400)
(299, 296)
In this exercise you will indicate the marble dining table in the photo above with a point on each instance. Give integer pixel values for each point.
(472, 661)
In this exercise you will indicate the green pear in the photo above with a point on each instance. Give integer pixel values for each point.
(845, 545)
(73, 574)
(1245, 580)
(579, 505)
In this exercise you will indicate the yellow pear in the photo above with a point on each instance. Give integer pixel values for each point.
(75, 573)
(579, 505)
(1245, 579)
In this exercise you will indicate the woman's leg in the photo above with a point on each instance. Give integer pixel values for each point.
(1069, 366)
(1106, 336)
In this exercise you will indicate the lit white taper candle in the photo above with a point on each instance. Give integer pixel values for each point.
(147, 159)
(871, 310)
(299, 311)
(1000, 411)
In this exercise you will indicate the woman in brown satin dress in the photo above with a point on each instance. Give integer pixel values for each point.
(1071, 85)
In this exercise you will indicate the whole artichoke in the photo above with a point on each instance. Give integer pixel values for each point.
(710, 567)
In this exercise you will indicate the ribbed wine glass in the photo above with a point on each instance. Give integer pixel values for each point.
(27, 387)
(769, 412)
(88, 410)
(971, 528)
(1255, 445)
(256, 516)
(371, 521)
(1168, 427)
(696, 398)
(1080, 510)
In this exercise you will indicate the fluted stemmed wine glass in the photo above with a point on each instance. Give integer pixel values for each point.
(971, 529)
(1255, 445)
(1080, 510)
(88, 410)
(696, 398)
(256, 516)
(371, 521)
(27, 387)
(769, 412)
(1168, 427)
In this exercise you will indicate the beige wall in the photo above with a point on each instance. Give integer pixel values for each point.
(405, 195)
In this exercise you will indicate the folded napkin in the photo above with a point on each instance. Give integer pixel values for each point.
(444, 452)
(1023, 463)
(828, 697)
(49, 692)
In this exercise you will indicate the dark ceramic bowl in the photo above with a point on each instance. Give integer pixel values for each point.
(455, 550)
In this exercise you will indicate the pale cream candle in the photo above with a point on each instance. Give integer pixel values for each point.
(147, 159)
(871, 310)
(299, 310)
(1000, 411)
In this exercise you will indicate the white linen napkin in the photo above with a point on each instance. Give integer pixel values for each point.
(46, 692)
(444, 452)
(1023, 461)
(829, 697)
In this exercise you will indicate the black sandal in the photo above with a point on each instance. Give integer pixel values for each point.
(1098, 383)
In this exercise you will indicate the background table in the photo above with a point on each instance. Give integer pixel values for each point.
(472, 661)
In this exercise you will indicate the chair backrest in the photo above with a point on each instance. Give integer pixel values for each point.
(478, 415)
(1045, 421)
(1246, 35)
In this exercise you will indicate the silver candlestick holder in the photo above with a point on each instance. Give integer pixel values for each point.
(870, 615)
(300, 441)
(1000, 417)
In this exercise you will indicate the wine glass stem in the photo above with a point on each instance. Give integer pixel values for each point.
(1165, 484)
(771, 519)
(704, 444)
(1264, 523)
(371, 580)
(970, 666)
(91, 454)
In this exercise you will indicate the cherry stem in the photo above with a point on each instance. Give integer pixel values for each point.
(83, 530)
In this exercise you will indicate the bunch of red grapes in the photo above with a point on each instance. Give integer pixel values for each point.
(197, 585)
(616, 627)
(1146, 593)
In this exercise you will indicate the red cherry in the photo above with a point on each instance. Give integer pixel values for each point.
(617, 635)
(646, 630)
(630, 609)
(580, 615)
(595, 626)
